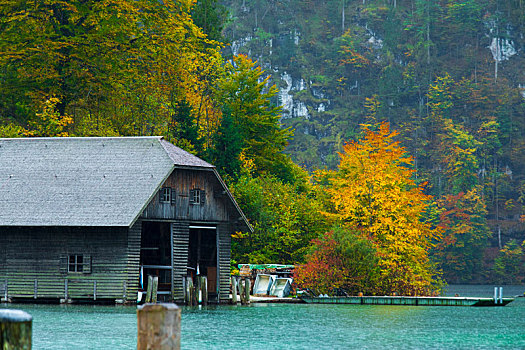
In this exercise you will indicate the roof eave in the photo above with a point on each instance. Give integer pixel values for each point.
(145, 205)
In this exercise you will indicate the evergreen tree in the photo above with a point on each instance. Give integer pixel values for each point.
(211, 17)
(184, 131)
(245, 93)
(227, 147)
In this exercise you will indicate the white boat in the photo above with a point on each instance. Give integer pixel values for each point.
(281, 287)
(262, 284)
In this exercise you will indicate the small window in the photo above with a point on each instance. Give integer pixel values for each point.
(165, 195)
(76, 263)
(197, 196)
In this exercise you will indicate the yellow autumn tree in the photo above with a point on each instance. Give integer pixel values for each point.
(374, 190)
(117, 67)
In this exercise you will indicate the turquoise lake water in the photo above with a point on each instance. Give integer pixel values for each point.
(295, 326)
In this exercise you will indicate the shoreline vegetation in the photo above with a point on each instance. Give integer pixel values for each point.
(376, 223)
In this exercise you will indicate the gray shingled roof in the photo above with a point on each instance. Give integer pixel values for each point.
(83, 181)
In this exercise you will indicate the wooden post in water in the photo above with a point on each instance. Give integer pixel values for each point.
(247, 287)
(190, 289)
(158, 327)
(244, 290)
(241, 290)
(15, 329)
(187, 296)
(204, 290)
(194, 295)
(6, 295)
(198, 289)
(124, 290)
(154, 289)
(185, 289)
(234, 290)
(66, 293)
(148, 290)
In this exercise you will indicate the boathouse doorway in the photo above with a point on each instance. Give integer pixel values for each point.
(202, 256)
(155, 256)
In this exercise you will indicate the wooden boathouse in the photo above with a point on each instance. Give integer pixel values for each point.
(88, 219)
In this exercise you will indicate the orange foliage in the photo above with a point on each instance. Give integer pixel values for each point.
(375, 191)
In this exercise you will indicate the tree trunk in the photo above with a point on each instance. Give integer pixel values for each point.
(343, 18)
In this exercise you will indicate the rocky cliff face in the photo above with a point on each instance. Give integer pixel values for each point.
(329, 57)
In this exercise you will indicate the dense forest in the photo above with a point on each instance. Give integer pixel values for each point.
(430, 90)
(447, 75)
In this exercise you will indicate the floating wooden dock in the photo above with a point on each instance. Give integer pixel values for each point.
(415, 301)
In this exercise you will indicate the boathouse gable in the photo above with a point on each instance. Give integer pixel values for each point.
(81, 217)
(198, 210)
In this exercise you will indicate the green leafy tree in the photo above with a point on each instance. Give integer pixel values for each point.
(49, 122)
(509, 266)
(460, 160)
(465, 235)
(285, 218)
(340, 261)
(244, 92)
(10, 130)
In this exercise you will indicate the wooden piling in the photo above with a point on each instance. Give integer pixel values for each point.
(241, 291)
(247, 287)
(66, 293)
(244, 290)
(234, 290)
(158, 327)
(194, 295)
(154, 289)
(185, 289)
(124, 290)
(190, 290)
(198, 289)
(204, 290)
(6, 294)
(149, 289)
(15, 329)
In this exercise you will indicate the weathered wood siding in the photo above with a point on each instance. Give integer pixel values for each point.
(32, 254)
(215, 208)
(181, 238)
(224, 249)
(133, 255)
(3, 265)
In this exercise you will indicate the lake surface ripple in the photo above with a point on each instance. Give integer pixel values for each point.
(299, 326)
